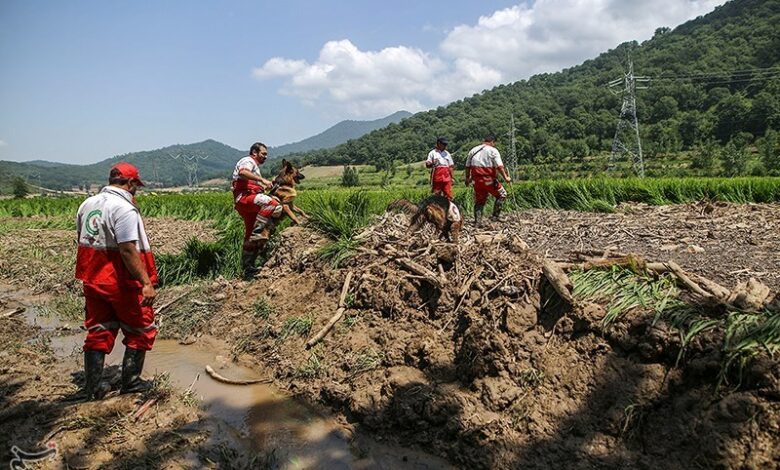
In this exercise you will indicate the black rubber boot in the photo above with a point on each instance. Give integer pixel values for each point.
(478, 215)
(132, 365)
(94, 387)
(497, 206)
(248, 259)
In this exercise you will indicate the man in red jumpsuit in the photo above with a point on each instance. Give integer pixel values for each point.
(483, 166)
(441, 164)
(259, 211)
(115, 263)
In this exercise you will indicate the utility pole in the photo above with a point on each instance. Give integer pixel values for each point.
(511, 162)
(190, 162)
(627, 144)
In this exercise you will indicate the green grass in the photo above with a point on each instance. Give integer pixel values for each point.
(341, 213)
(745, 334)
(298, 325)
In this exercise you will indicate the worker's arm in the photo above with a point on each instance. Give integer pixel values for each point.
(505, 174)
(244, 173)
(132, 260)
(467, 175)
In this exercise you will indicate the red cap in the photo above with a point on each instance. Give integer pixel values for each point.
(129, 171)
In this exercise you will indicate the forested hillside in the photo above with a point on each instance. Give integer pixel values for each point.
(715, 80)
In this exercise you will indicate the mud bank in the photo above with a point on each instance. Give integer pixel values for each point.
(196, 422)
(491, 369)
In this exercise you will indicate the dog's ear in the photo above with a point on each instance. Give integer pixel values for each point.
(287, 166)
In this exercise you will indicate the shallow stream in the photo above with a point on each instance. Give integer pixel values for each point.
(260, 417)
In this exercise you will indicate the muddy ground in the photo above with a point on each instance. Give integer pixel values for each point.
(723, 241)
(504, 376)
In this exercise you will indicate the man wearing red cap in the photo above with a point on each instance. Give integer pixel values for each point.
(441, 164)
(259, 211)
(116, 264)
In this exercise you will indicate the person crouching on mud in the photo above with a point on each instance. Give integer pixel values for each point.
(259, 211)
(115, 263)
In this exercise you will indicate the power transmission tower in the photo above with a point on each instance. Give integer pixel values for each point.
(627, 144)
(191, 164)
(511, 161)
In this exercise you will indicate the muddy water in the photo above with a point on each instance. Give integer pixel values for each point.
(262, 418)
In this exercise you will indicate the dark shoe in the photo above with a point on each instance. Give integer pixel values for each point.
(132, 365)
(478, 215)
(248, 259)
(497, 206)
(94, 387)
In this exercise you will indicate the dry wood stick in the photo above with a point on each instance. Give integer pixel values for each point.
(221, 378)
(164, 306)
(422, 271)
(464, 290)
(683, 277)
(558, 279)
(336, 317)
(144, 408)
(12, 312)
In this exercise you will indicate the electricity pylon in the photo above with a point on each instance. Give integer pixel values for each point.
(627, 144)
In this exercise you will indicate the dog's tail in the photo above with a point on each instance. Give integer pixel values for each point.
(403, 205)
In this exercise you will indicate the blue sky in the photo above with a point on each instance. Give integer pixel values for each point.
(81, 81)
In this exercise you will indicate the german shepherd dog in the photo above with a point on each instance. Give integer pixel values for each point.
(434, 210)
(284, 189)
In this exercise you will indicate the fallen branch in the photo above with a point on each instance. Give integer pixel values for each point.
(221, 378)
(144, 408)
(12, 312)
(164, 306)
(463, 292)
(336, 317)
(430, 276)
(558, 279)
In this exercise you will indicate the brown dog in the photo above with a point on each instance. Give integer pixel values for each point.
(284, 189)
(434, 210)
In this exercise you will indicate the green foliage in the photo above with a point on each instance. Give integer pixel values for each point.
(263, 308)
(350, 177)
(299, 325)
(733, 159)
(20, 188)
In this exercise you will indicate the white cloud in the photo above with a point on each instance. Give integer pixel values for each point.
(552, 34)
(505, 46)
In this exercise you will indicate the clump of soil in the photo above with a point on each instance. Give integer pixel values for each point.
(467, 351)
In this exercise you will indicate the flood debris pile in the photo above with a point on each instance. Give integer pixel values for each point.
(485, 353)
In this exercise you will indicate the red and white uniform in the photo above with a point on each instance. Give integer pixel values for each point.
(441, 171)
(113, 297)
(250, 202)
(484, 163)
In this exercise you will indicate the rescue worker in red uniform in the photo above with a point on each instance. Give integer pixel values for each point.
(441, 164)
(115, 263)
(259, 211)
(483, 165)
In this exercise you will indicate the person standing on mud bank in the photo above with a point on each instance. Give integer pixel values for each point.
(258, 210)
(441, 164)
(116, 264)
(483, 165)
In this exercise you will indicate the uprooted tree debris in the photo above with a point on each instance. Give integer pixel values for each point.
(481, 351)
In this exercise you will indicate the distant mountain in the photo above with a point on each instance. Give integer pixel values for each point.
(156, 166)
(159, 166)
(338, 134)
